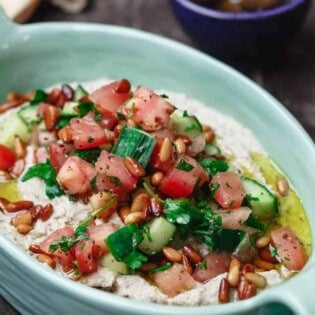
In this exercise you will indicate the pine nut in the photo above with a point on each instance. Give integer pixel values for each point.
(6, 175)
(247, 268)
(35, 211)
(233, 276)
(148, 266)
(157, 178)
(65, 134)
(245, 290)
(23, 228)
(265, 254)
(134, 217)
(3, 203)
(180, 146)
(166, 150)
(172, 254)
(192, 254)
(263, 264)
(259, 280)
(123, 212)
(140, 202)
(25, 218)
(20, 147)
(282, 186)
(206, 128)
(123, 86)
(131, 123)
(209, 135)
(35, 249)
(187, 265)
(134, 168)
(263, 242)
(156, 207)
(224, 291)
(186, 139)
(19, 205)
(45, 259)
(51, 115)
(46, 212)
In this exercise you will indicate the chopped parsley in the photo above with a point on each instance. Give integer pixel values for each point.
(115, 180)
(214, 166)
(184, 166)
(39, 96)
(203, 265)
(89, 155)
(164, 95)
(161, 268)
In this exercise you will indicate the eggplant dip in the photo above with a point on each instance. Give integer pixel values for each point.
(149, 195)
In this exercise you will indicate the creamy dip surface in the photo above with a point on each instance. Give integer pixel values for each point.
(233, 139)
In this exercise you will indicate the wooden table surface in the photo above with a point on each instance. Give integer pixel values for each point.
(290, 77)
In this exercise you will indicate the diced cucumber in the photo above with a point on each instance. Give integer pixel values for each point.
(160, 233)
(186, 125)
(260, 199)
(69, 109)
(13, 125)
(79, 93)
(212, 149)
(136, 144)
(108, 261)
(28, 114)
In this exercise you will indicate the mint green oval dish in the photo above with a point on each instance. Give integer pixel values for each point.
(38, 55)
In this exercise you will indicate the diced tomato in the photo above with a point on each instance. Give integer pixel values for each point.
(86, 132)
(7, 157)
(117, 175)
(289, 249)
(75, 176)
(87, 255)
(98, 234)
(64, 259)
(217, 263)
(57, 154)
(109, 97)
(47, 137)
(233, 219)
(174, 280)
(230, 192)
(150, 110)
(155, 161)
(41, 155)
(180, 183)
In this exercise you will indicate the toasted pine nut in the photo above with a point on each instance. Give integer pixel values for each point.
(187, 265)
(140, 202)
(257, 279)
(245, 290)
(3, 203)
(45, 259)
(46, 212)
(133, 167)
(51, 115)
(180, 146)
(20, 147)
(186, 139)
(209, 135)
(192, 254)
(35, 211)
(131, 122)
(172, 254)
(282, 186)
(156, 207)
(23, 228)
(233, 276)
(147, 266)
(263, 242)
(157, 178)
(123, 212)
(6, 175)
(206, 128)
(35, 249)
(19, 205)
(25, 218)
(65, 134)
(134, 217)
(265, 254)
(263, 264)
(247, 268)
(224, 291)
(166, 150)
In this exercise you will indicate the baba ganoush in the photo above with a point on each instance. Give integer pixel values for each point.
(149, 195)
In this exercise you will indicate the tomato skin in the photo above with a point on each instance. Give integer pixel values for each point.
(57, 154)
(7, 157)
(217, 263)
(230, 193)
(64, 259)
(87, 255)
(289, 249)
(98, 234)
(41, 155)
(174, 280)
(86, 132)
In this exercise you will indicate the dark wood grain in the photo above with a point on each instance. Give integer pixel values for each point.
(289, 76)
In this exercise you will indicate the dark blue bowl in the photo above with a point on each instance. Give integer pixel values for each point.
(240, 34)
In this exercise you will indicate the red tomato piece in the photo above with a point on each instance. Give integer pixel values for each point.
(179, 183)
(64, 259)
(75, 176)
(58, 155)
(41, 155)
(233, 219)
(289, 249)
(118, 176)
(86, 132)
(98, 234)
(174, 280)
(7, 157)
(47, 137)
(151, 111)
(230, 192)
(217, 263)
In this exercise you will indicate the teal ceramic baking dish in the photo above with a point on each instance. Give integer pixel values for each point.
(39, 55)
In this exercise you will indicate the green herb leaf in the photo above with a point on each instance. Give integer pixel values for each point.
(184, 166)
(40, 96)
(89, 155)
(213, 188)
(161, 268)
(164, 95)
(203, 265)
(47, 173)
(115, 180)
(214, 166)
